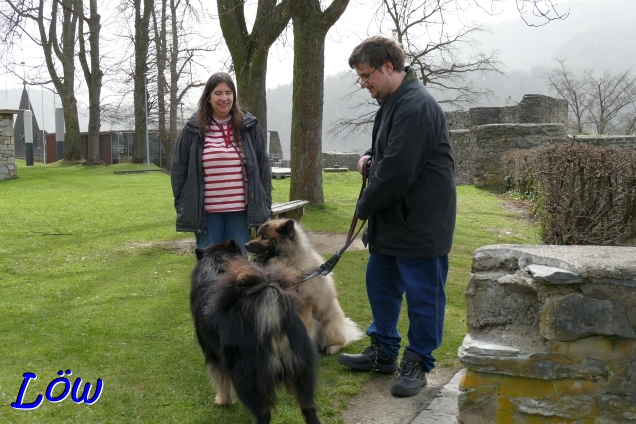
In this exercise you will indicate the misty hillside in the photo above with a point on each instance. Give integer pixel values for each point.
(341, 99)
(598, 35)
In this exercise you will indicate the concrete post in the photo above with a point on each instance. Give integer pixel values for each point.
(59, 133)
(28, 137)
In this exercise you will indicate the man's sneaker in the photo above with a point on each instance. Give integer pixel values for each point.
(373, 358)
(410, 377)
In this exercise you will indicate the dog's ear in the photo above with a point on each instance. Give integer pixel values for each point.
(199, 252)
(232, 246)
(287, 229)
(249, 278)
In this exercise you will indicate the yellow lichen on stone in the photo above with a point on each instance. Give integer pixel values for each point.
(575, 387)
(512, 386)
(475, 379)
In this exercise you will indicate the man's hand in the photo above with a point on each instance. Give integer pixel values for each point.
(365, 161)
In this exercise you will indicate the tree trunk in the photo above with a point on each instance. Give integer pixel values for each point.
(251, 81)
(307, 100)
(142, 41)
(160, 46)
(310, 29)
(66, 88)
(72, 151)
(173, 131)
(93, 76)
(249, 51)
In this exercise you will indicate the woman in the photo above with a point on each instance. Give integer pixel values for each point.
(220, 173)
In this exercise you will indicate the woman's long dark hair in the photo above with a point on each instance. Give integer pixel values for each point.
(204, 115)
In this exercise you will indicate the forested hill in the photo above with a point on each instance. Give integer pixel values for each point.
(342, 99)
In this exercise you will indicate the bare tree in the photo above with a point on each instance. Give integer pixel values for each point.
(604, 104)
(55, 30)
(609, 95)
(436, 50)
(176, 49)
(93, 75)
(249, 50)
(311, 25)
(628, 120)
(572, 90)
(142, 10)
(544, 10)
(534, 13)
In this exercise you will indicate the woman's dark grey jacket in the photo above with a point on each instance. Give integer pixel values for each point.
(187, 176)
(410, 200)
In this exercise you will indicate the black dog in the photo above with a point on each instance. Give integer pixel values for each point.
(248, 328)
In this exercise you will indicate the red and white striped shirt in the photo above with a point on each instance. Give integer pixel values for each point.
(222, 170)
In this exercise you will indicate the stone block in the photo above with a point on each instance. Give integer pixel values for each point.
(600, 347)
(622, 294)
(575, 316)
(578, 363)
(520, 356)
(503, 304)
(478, 396)
(568, 407)
(482, 413)
(472, 379)
(595, 264)
(553, 275)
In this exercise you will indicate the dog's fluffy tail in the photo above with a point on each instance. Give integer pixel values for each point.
(271, 307)
(351, 331)
(260, 293)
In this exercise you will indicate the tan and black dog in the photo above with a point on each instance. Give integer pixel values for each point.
(284, 242)
(252, 338)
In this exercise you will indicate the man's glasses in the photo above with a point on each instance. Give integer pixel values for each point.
(364, 84)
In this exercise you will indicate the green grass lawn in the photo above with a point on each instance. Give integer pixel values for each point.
(85, 287)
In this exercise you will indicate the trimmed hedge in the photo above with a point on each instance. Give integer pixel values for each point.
(585, 194)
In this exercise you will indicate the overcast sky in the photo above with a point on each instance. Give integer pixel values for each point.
(352, 28)
(355, 25)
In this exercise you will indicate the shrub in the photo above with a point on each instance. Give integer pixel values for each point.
(587, 194)
(520, 180)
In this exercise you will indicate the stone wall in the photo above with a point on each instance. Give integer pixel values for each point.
(492, 141)
(551, 336)
(540, 109)
(458, 120)
(463, 149)
(613, 141)
(8, 168)
(485, 167)
(493, 115)
(532, 109)
(343, 160)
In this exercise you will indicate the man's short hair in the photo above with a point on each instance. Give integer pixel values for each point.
(376, 50)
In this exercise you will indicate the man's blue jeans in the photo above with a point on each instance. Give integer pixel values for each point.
(423, 281)
(223, 226)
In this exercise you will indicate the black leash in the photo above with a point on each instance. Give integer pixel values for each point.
(328, 266)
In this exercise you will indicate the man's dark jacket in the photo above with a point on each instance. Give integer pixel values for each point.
(410, 199)
(187, 176)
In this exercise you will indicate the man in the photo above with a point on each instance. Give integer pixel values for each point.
(410, 202)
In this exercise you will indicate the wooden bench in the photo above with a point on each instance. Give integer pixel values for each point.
(294, 209)
(281, 173)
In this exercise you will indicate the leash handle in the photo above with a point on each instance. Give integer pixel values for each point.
(328, 266)
(354, 221)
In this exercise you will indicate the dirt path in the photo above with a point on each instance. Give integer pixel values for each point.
(325, 243)
(375, 404)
